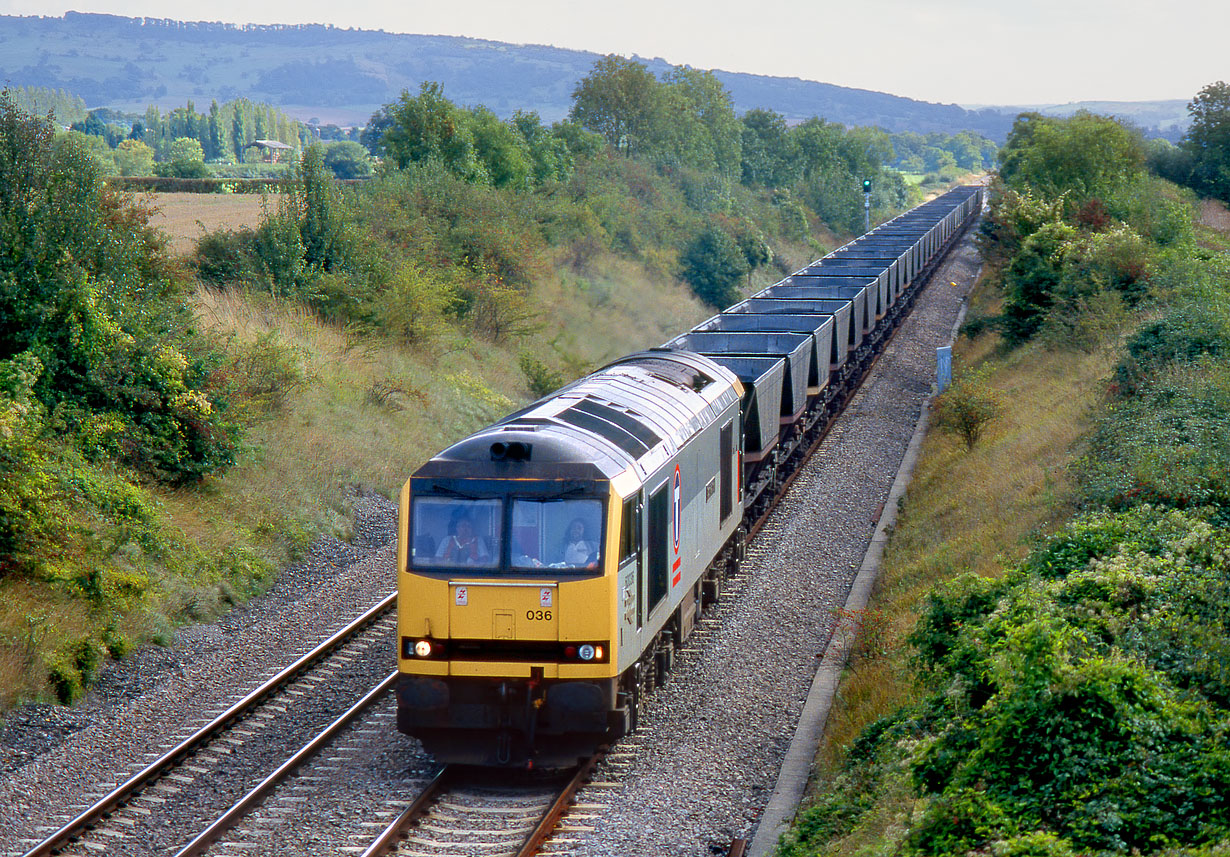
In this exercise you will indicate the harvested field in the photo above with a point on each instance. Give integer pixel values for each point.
(1215, 215)
(185, 217)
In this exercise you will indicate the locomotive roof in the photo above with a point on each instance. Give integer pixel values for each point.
(636, 412)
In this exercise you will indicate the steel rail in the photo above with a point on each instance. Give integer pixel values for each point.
(220, 825)
(134, 784)
(555, 812)
(398, 827)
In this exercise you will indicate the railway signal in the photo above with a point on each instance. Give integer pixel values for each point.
(866, 205)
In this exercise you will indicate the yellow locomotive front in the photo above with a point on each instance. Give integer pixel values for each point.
(506, 606)
(548, 564)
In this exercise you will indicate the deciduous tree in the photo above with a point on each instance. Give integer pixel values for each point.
(134, 158)
(713, 265)
(1083, 156)
(1208, 140)
(707, 135)
(621, 100)
(348, 160)
(429, 127)
(771, 155)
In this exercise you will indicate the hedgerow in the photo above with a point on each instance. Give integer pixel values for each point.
(1082, 702)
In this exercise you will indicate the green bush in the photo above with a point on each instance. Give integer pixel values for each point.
(1082, 703)
(64, 678)
(257, 378)
(348, 160)
(88, 288)
(429, 214)
(950, 611)
(1032, 279)
(542, 379)
(34, 514)
(1198, 326)
(1168, 444)
(226, 257)
(714, 266)
(1091, 702)
(967, 407)
(1150, 208)
(70, 670)
(415, 304)
(183, 170)
(1035, 843)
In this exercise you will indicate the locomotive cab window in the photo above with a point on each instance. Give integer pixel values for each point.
(557, 534)
(449, 531)
(629, 531)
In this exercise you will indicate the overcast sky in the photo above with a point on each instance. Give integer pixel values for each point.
(964, 51)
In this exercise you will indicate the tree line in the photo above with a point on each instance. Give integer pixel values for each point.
(223, 132)
(1202, 159)
(40, 101)
(964, 152)
(682, 126)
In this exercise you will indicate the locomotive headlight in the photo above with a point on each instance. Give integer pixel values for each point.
(423, 648)
(586, 652)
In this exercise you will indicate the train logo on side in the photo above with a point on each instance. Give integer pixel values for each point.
(677, 508)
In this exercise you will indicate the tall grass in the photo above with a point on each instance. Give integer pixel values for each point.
(965, 511)
(372, 409)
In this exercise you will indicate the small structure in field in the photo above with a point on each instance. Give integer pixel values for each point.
(270, 149)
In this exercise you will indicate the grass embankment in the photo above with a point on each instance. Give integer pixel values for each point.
(345, 411)
(966, 510)
(367, 411)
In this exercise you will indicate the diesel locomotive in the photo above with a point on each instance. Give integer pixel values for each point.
(550, 565)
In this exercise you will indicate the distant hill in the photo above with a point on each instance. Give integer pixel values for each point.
(344, 75)
(1167, 119)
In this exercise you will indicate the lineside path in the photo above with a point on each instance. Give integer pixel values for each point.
(717, 734)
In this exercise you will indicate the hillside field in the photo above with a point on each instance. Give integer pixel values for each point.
(185, 217)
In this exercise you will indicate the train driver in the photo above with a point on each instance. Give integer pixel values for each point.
(579, 552)
(463, 546)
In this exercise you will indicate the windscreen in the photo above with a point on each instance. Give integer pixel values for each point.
(563, 534)
(450, 531)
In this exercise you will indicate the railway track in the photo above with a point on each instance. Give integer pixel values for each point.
(483, 814)
(157, 796)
